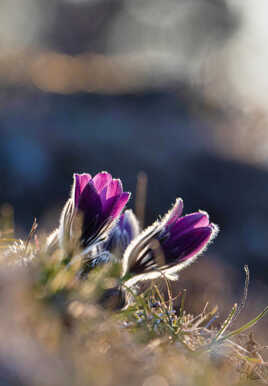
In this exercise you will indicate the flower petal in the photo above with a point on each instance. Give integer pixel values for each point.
(80, 181)
(101, 180)
(109, 196)
(193, 220)
(185, 224)
(114, 188)
(119, 205)
(90, 205)
(129, 222)
(123, 233)
(188, 244)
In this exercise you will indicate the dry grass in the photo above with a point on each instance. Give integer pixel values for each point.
(55, 332)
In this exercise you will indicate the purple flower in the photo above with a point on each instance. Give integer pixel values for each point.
(169, 245)
(123, 233)
(92, 211)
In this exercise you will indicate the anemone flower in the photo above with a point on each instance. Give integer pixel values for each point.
(162, 250)
(168, 246)
(91, 212)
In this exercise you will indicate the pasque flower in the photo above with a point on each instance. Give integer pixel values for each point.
(162, 250)
(169, 245)
(92, 210)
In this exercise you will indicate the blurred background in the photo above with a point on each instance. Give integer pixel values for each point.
(174, 88)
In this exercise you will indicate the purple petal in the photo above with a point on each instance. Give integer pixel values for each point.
(123, 232)
(101, 180)
(188, 245)
(193, 220)
(119, 204)
(80, 181)
(90, 205)
(185, 224)
(110, 195)
(125, 222)
(114, 188)
(107, 206)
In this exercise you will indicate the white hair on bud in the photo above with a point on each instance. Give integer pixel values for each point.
(137, 245)
(178, 206)
(65, 223)
(52, 240)
(132, 219)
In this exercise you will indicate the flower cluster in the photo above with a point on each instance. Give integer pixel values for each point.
(93, 222)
